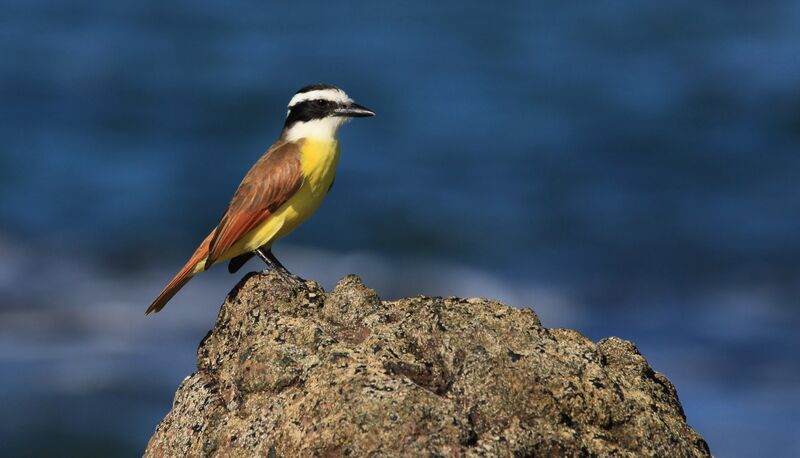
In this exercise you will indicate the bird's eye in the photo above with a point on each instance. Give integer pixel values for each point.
(320, 102)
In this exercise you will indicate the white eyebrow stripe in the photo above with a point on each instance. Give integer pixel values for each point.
(333, 95)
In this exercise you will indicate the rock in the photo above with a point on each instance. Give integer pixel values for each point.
(289, 370)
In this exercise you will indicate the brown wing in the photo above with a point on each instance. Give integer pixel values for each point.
(267, 186)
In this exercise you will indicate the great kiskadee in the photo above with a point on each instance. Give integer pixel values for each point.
(280, 191)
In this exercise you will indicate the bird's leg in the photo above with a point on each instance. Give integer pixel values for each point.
(274, 261)
(277, 264)
(261, 254)
(266, 255)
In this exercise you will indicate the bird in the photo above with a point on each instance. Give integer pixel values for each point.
(282, 189)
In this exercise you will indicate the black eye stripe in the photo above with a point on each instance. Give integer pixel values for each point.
(314, 102)
(308, 110)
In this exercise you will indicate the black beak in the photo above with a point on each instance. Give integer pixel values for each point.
(353, 110)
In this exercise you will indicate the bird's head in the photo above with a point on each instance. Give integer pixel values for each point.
(318, 110)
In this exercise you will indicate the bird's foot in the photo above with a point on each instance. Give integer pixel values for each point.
(300, 281)
(273, 264)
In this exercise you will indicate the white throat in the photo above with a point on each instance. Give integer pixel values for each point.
(319, 129)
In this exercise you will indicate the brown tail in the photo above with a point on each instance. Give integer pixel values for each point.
(181, 278)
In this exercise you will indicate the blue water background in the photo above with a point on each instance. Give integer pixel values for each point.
(624, 168)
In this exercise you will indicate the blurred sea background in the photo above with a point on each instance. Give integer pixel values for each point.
(624, 168)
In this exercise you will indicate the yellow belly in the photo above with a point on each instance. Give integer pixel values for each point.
(319, 159)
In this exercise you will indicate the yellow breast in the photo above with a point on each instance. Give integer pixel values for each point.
(319, 159)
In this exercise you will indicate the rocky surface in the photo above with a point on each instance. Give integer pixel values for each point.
(289, 370)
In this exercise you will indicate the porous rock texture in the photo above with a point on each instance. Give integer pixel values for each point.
(289, 370)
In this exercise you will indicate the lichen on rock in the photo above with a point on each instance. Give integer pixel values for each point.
(289, 370)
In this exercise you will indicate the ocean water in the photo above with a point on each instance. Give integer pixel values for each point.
(623, 168)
